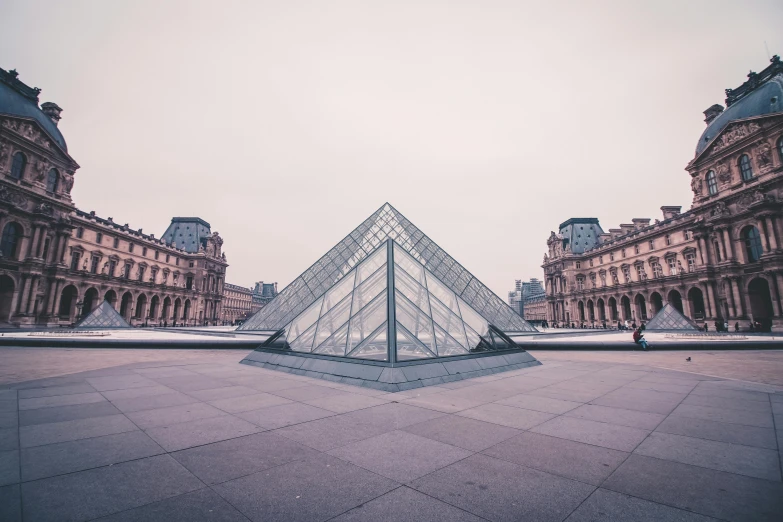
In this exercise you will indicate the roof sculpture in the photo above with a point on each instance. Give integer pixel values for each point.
(669, 318)
(103, 316)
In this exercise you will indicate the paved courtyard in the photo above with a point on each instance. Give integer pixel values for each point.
(192, 435)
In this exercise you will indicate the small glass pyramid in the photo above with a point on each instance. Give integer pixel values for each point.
(323, 288)
(103, 316)
(419, 318)
(669, 318)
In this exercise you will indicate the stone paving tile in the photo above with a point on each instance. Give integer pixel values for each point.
(556, 392)
(405, 505)
(611, 506)
(60, 400)
(399, 455)
(265, 384)
(306, 393)
(9, 419)
(711, 390)
(545, 404)
(748, 418)
(203, 504)
(9, 467)
(67, 457)
(501, 491)
(153, 402)
(165, 371)
(725, 402)
(193, 383)
(648, 404)
(275, 417)
(230, 459)
(330, 432)
(566, 458)
(722, 456)
(392, 416)
(307, 490)
(65, 413)
(510, 416)
(484, 393)
(462, 432)
(633, 419)
(133, 393)
(249, 402)
(612, 436)
(11, 503)
(200, 432)
(102, 491)
(54, 432)
(159, 417)
(658, 386)
(445, 402)
(346, 402)
(9, 439)
(719, 431)
(226, 392)
(713, 493)
(56, 390)
(120, 382)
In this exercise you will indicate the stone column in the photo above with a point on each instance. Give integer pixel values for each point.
(773, 241)
(20, 304)
(58, 296)
(721, 246)
(51, 291)
(773, 294)
(729, 246)
(31, 295)
(708, 306)
(25, 297)
(738, 303)
(763, 233)
(29, 251)
(703, 252)
(61, 254)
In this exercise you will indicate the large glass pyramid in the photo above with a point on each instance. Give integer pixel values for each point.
(669, 318)
(321, 293)
(104, 316)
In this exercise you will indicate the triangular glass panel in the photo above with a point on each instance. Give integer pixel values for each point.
(103, 316)
(334, 319)
(448, 321)
(373, 263)
(334, 345)
(475, 342)
(446, 344)
(472, 318)
(369, 288)
(408, 348)
(304, 342)
(304, 321)
(669, 318)
(412, 267)
(376, 347)
(338, 292)
(416, 293)
(440, 291)
(418, 323)
(366, 321)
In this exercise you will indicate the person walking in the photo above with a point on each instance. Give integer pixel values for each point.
(706, 327)
(638, 338)
(736, 327)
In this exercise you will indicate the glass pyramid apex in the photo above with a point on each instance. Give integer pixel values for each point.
(383, 225)
(669, 318)
(103, 316)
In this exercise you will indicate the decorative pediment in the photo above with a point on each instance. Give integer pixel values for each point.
(733, 133)
(29, 131)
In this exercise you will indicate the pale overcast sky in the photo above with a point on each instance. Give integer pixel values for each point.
(285, 124)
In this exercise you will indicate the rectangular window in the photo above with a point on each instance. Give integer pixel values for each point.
(98, 238)
(691, 259)
(176, 261)
(75, 260)
(94, 265)
(611, 256)
(627, 274)
(652, 245)
(578, 265)
(190, 264)
(636, 249)
(153, 275)
(157, 254)
(167, 258)
(657, 270)
(116, 242)
(112, 267)
(672, 262)
(591, 262)
(127, 271)
(580, 283)
(144, 251)
(130, 247)
(717, 251)
(623, 252)
(189, 283)
(688, 235)
(80, 232)
(668, 240)
(141, 273)
(640, 273)
(615, 279)
(600, 260)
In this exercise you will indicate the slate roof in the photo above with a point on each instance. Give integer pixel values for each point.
(14, 103)
(188, 232)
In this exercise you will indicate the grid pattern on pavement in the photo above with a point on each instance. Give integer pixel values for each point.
(564, 441)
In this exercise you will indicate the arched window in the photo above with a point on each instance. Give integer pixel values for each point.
(17, 167)
(712, 183)
(780, 148)
(745, 168)
(52, 181)
(752, 240)
(8, 244)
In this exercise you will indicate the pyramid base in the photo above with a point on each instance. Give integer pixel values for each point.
(387, 377)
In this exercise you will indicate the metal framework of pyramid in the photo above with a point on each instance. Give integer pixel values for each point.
(103, 316)
(388, 296)
(669, 318)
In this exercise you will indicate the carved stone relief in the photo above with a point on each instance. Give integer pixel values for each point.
(764, 156)
(734, 134)
(5, 152)
(696, 186)
(13, 197)
(724, 174)
(28, 131)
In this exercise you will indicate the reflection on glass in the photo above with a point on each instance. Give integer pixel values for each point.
(304, 343)
(446, 344)
(367, 320)
(448, 321)
(473, 318)
(408, 348)
(415, 320)
(411, 289)
(338, 292)
(304, 321)
(375, 348)
(331, 321)
(334, 345)
(370, 288)
(445, 295)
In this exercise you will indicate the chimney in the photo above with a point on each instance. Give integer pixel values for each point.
(640, 222)
(670, 212)
(52, 110)
(615, 232)
(712, 113)
(626, 228)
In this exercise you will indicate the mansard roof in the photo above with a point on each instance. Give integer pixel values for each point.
(20, 100)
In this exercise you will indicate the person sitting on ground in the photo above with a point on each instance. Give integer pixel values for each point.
(638, 338)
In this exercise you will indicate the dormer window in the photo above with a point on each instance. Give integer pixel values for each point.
(18, 166)
(745, 168)
(712, 183)
(578, 265)
(52, 181)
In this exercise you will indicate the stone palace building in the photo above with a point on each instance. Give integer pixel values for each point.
(722, 260)
(57, 263)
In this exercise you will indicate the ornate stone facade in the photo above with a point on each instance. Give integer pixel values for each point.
(722, 260)
(57, 263)
(237, 303)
